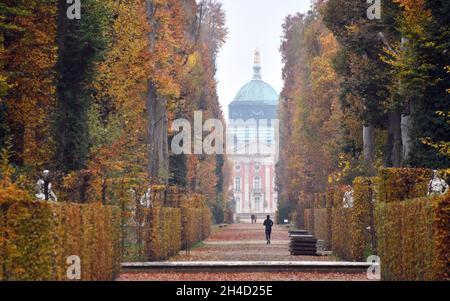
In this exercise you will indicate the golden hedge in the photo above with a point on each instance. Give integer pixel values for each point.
(329, 201)
(321, 226)
(309, 220)
(413, 238)
(341, 232)
(37, 238)
(305, 200)
(362, 220)
(162, 233)
(317, 220)
(206, 223)
(398, 184)
(441, 227)
(340, 223)
(196, 225)
(168, 230)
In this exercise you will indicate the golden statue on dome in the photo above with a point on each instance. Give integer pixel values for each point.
(257, 57)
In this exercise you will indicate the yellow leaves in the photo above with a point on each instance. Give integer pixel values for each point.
(352, 28)
(443, 147)
(32, 57)
(193, 60)
(42, 235)
(412, 242)
(162, 233)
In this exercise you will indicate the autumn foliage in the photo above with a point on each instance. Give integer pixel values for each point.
(413, 238)
(391, 217)
(38, 237)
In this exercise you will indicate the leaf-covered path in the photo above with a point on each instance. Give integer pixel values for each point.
(244, 242)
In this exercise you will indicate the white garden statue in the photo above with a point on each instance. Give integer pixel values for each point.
(44, 188)
(348, 199)
(146, 199)
(437, 185)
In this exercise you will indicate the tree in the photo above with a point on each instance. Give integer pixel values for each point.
(420, 63)
(27, 79)
(365, 76)
(310, 111)
(81, 45)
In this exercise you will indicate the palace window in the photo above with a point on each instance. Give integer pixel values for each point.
(257, 202)
(237, 184)
(257, 183)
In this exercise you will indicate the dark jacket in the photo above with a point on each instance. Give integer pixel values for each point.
(268, 223)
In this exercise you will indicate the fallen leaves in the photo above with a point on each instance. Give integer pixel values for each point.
(264, 276)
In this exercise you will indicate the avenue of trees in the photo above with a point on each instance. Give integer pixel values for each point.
(92, 99)
(362, 94)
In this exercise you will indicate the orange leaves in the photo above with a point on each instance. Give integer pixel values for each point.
(167, 45)
(310, 111)
(261, 276)
(37, 238)
(31, 58)
(415, 15)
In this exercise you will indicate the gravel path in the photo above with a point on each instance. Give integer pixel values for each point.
(244, 242)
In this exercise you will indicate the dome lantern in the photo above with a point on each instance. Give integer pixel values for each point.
(256, 91)
(257, 66)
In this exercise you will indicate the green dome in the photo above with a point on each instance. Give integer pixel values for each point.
(259, 91)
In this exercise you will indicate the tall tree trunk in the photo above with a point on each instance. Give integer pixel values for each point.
(369, 144)
(157, 137)
(406, 121)
(62, 23)
(396, 132)
(158, 160)
(406, 125)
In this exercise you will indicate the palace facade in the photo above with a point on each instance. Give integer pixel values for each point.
(253, 129)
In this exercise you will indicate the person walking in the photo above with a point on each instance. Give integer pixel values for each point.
(268, 223)
(253, 218)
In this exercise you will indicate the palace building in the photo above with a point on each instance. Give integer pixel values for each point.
(253, 130)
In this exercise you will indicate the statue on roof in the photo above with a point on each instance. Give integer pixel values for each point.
(257, 66)
(257, 57)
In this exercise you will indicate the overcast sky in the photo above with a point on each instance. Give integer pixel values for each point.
(253, 24)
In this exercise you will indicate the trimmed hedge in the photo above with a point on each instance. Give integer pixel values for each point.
(206, 223)
(38, 237)
(162, 233)
(318, 223)
(321, 225)
(305, 200)
(341, 232)
(309, 220)
(363, 227)
(169, 230)
(441, 230)
(398, 184)
(413, 238)
(340, 223)
(196, 226)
